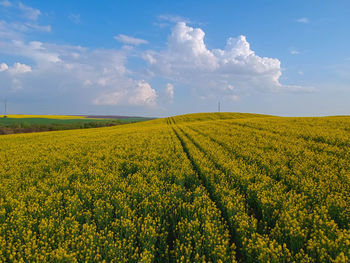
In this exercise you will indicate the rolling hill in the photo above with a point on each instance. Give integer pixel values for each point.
(207, 187)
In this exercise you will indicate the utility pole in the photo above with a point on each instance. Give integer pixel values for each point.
(5, 107)
(219, 106)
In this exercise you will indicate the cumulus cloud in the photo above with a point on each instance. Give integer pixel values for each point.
(188, 60)
(169, 90)
(129, 40)
(19, 68)
(143, 95)
(303, 20)
(3, 67)
(97, 76)
(140, 94)
(65, 72)
(101, 76)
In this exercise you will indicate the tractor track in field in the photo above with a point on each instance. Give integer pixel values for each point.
(204, 182)
(251, 210)
(263, 169)
(236, 155)
(303, 139)
(239, 187)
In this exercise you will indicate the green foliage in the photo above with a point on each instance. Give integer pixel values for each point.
(25, 125)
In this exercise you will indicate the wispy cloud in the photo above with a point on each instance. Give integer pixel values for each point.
(167, 20)
(39, 28)
(173, 18)
(169, 90)
(294, 51)
(129, 40)
(24, 20)
(29, 12)
(303, 20)
(5, 3)
(15, 30)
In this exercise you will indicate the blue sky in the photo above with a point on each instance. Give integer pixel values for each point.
(161, 58)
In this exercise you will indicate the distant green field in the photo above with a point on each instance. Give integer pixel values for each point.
(6, 122)
(27, 124)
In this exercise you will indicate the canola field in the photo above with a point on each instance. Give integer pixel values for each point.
(220, 187)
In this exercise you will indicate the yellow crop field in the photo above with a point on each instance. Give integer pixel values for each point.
(220, 187)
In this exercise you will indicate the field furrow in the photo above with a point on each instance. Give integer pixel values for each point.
(245, 228)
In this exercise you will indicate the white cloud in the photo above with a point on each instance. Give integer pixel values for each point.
(139, 94)
(23, 20)
(143, 95)
(38, 51)
(15, 30)
(3, 67)
(129, 40)
(97, 76)
(29, 12)
(303, 20)
(111, 98)
(19, 68)
(166, 20)
(188, 60)
(101, 77)
(169, 90)
(39, 28)
(173, 18)
(294, 52)
(5, 3)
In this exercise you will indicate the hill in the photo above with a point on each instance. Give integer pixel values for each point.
(218, 187)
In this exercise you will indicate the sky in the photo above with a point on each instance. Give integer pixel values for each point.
(164, 58)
